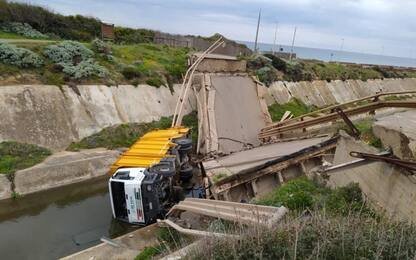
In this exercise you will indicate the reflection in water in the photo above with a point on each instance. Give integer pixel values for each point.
(56, 223)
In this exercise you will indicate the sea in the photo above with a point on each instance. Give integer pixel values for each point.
(338, 55)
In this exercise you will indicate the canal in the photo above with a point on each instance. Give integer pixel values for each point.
(58, 222)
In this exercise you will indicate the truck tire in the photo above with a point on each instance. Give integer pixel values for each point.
(186, 173)
(177, 194)
(165, 170)
(185, 144)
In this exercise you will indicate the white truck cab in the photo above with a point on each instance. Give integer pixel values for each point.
(126, 195)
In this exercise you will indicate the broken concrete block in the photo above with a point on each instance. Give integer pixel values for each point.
(386, 186)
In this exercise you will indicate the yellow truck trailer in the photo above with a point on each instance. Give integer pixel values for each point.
(146, 177)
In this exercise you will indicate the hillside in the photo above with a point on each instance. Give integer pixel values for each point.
(38, 46)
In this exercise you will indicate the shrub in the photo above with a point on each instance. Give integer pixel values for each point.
(85, 69)
(100, 46)
(67, 52)
(22, 29)
(76, 60)
(131, 72)
(266, 75)
(155, 82)
(67, 27)
(278, 63)
(125, 35)
(20, 57)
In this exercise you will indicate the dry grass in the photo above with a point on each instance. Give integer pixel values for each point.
(318, 236)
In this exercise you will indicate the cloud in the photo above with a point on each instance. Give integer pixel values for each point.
(366, 25)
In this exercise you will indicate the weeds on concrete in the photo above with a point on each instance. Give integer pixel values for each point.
(169, 240)
(296, 106)
(367, 135)
(126, 134)
(16, 156)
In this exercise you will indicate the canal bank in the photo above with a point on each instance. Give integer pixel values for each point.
(58, 222)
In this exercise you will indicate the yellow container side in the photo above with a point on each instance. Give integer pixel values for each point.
(149, 149)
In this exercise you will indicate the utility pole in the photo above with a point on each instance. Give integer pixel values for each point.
(275, 37)
(342, 44)
(257, 32)
(293, 43)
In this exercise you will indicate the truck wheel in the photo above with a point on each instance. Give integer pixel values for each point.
(185, 144)
(186, 173)
(177, 194)
(163, 169)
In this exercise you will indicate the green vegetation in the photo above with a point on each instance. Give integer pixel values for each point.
(318, 236)
(296, 106)
(126, 134)
(149, 252)
(271, 68)
(98, 62)
(219, 176)
(8, 35)
(322, 224)
(169, 240)
(154, 61)
(16, 156)
(367, 135)
(301, 193)
(19, 57)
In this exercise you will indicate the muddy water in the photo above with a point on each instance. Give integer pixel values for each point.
(56, 223)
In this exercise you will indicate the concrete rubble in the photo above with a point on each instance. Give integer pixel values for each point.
(386, 186)
(398, 131)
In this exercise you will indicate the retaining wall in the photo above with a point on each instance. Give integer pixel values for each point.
(53, 116)
(322, 93)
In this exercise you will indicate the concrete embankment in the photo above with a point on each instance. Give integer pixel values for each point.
(53, 117)
(62, 168)
(322, 93)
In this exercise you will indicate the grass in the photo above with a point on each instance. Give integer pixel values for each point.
(301, 193)
(7, 35)
(367, 135)
(154, 61)
(322, 224)
(296, 106)
(169, 240)
(16, 156)
(317, 236)
(126, 134)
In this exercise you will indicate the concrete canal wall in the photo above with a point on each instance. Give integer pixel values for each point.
(53, 117)
(322, 93)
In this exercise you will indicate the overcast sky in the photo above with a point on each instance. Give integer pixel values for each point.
(371, 26)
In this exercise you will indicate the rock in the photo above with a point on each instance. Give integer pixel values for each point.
(64, 168)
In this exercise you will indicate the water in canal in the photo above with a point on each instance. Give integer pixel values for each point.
(53, 224)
